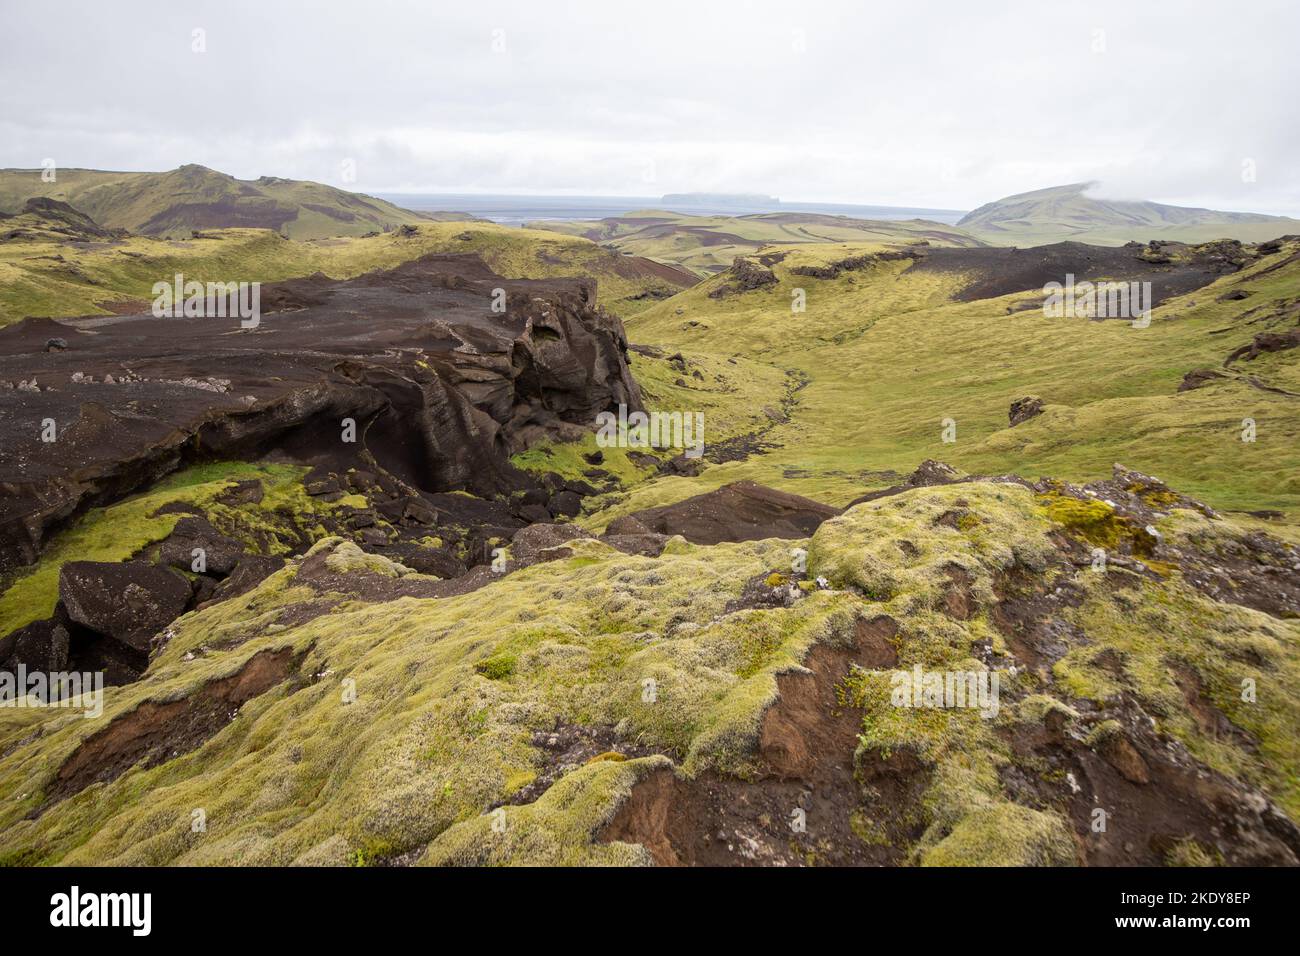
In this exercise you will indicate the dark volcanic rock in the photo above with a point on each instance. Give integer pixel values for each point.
(220, 553)
(1024, 409)
(533, 514)
(413, 364)
(1198, 377)
(542, 542)
(1171, 268)
(59, 644)
(436, 561)
(854, 263)
(1266, 342)
(128, 601)
(930, 472)
(56, 216)
(251, 571)
(742, 511)
(40, 646)
(744, 276)
(566, 504)
(626, 525)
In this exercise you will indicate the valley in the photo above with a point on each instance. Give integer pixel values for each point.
(441, 617)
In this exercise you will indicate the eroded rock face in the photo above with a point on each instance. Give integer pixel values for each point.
(744, 276)
(440, 388)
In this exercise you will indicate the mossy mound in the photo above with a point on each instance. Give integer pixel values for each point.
(407, 727)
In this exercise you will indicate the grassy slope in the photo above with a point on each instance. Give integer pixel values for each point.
(889, 357)
(58, 279)
(450, 691)
(708, 244)
(1064, 213)
(147, 202)
(732, 394)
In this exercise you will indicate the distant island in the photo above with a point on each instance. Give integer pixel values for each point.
(721, 199)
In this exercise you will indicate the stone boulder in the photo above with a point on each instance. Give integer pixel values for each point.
(1023, 409)
(128, 601)
(220, 553)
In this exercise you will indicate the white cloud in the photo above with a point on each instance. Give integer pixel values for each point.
(940, 104)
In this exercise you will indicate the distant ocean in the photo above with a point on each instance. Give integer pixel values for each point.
(516, 210)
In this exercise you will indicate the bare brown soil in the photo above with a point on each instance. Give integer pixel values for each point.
(156, 732)
(803, 806)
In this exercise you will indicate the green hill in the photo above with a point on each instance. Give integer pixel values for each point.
(889, 349)
(173, 204)
(56, 262)
(1063, 213)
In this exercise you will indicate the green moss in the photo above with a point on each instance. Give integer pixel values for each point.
(1104, 731)
(557, 829)
(1111, 390)
(497, 667)
(1094, 521)
(608, 755)
(1164, 631)
(345, 558)
(568, 460)
(1034, 708)
(428, 741)
(1154, 497)
(1189, 852)
(82, 280)
(860, 550)
(450, 694)
(1005, 834)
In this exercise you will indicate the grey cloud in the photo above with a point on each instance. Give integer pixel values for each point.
(943, 104)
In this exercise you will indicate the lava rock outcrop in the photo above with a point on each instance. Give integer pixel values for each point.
(443, 368)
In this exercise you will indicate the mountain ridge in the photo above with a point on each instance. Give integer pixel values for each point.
(174, 203)
(1061, 213)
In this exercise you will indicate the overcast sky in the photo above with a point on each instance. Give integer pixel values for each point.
(943, 104)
